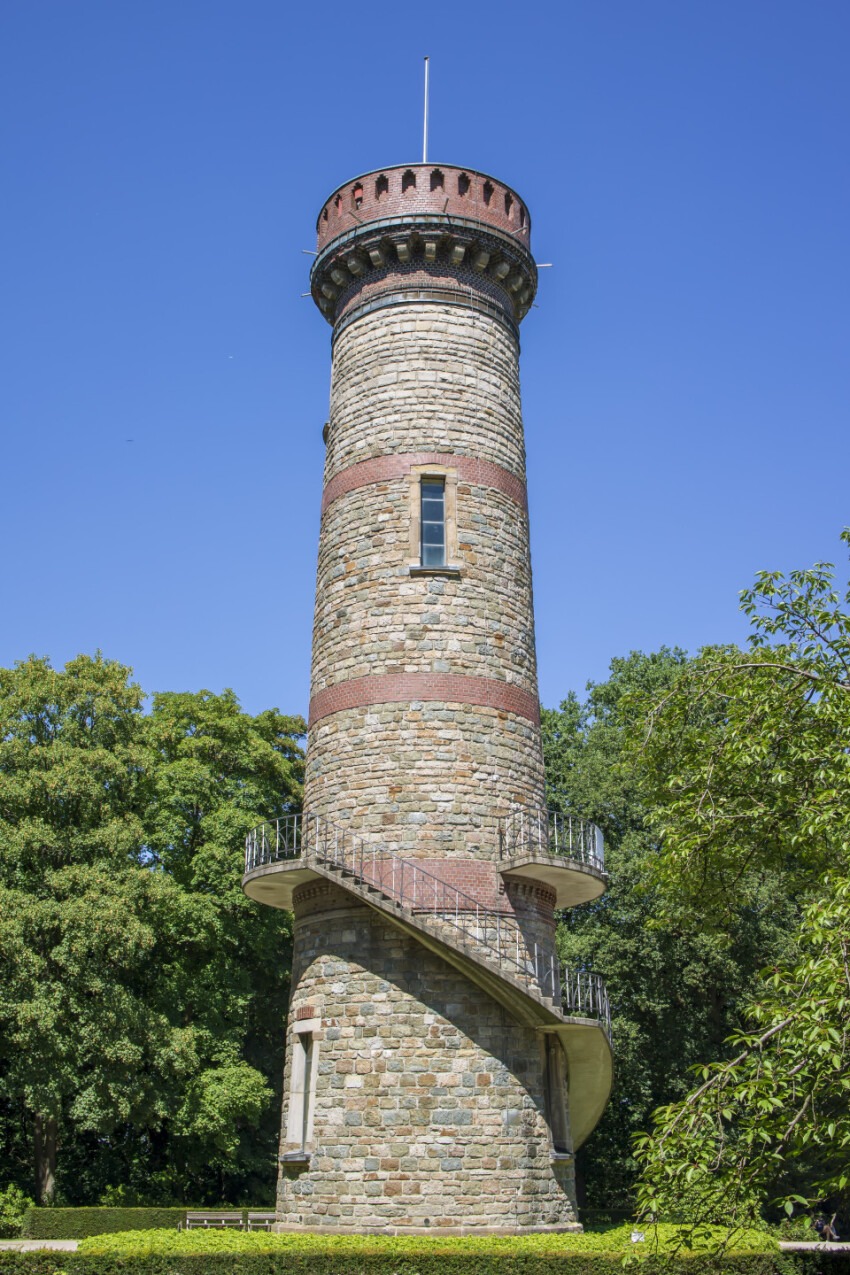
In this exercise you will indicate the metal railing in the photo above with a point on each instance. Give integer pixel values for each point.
(526, 831)
(405, 883)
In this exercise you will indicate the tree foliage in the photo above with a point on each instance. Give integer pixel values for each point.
(142, 997)
(745, 765)
(675, 992)
(774, 1119)
(744, 761)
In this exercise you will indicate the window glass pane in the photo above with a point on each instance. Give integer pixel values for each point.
(433, 556)
(433, 523)
(432, 533)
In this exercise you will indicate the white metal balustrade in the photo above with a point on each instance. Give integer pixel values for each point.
(530, 831)
(475, 928)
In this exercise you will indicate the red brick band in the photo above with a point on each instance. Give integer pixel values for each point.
(447, 688)
(483, 473)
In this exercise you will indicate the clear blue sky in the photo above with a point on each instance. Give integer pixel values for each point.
(686, 380)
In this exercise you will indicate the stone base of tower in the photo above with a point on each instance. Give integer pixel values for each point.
(414, 1103)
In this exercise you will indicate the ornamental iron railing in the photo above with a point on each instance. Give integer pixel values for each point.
(475, 928)
(530, 831)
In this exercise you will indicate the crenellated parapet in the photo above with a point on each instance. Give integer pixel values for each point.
(424, 233)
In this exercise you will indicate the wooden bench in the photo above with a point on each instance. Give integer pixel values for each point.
(215, 1220)
(261, 1221)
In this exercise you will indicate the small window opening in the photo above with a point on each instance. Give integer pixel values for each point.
(488, 192)
(357, 195)
(521, 216)
(556, 1095)
(324, 214)
(301, 1091)
(509, 203)
(307, 1046)
(433, 522)
(463, 185)
(408, 180)
(338, 205)
(436, 180)
(382, 186)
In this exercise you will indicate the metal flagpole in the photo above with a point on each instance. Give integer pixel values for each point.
(425, 130)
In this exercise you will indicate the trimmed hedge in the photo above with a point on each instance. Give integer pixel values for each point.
(421, 1264)
(615, 1240)
(199, 1252)
(77, 1224)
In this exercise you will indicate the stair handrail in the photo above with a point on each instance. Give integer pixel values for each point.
(295, 836)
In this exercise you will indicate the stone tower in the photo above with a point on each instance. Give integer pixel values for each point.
(441, 1066)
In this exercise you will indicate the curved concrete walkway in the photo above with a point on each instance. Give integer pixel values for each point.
(820, 1246)
(33, 1246)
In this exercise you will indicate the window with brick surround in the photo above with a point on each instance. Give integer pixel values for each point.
(432, 522)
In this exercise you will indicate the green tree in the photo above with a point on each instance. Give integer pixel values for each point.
(84, 927)
(215, 771)
(773, 1120)
(744, 761)
(142, 997)
(745, 766)
(674, 991)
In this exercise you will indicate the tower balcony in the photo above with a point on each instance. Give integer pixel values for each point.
(566, 853)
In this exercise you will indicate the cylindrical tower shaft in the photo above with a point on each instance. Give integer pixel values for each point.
(427, 648)
(426, 1080)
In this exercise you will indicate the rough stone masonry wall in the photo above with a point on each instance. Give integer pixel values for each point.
(413, 378)
(423, 778)
(429, 1105)
(429, 774)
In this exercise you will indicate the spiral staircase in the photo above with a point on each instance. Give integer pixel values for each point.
(478, 941)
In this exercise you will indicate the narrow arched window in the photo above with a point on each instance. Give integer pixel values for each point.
(436, 180)
(509, 203)
(463, 185)
(408, 181)
(338, 205)
(488, 192)
(357, 195)
(382, 186)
